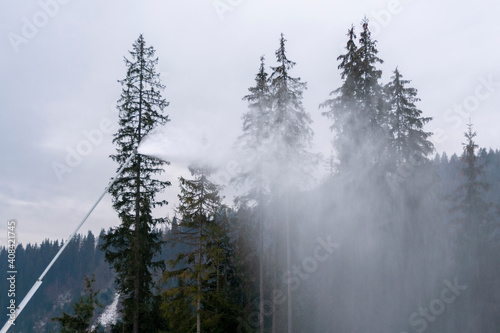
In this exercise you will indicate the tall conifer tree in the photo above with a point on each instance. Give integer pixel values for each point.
(253, 143)
(409, 142)
(357, 108)
(132, 246)
(290, 139)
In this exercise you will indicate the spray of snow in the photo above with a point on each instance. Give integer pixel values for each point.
(184, 144)
(110, 313)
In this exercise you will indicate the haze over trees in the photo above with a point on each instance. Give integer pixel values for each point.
(256, 133)
(392, 240)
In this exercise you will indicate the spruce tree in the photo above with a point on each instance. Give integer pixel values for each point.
(360, 125)
(357, 110)
(132, 246)
(475, 223)
(409, 142)
(291, 134)
(371, 90)
(289, 141)
(470, 202)
(193, 301)
(343, 108)
(408, 170)
(257, 121)
(253, 144)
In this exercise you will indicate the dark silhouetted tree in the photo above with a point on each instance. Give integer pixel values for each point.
(132, 246)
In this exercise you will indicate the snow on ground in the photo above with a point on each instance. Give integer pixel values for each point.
(110, 313)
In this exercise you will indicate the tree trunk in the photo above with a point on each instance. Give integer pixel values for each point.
(198, 314)
(288, 263)
(261, 265)
(136, 250)
(137, 261)
(274, 328)
(217, 291)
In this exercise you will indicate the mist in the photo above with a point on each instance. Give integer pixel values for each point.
(364, 240)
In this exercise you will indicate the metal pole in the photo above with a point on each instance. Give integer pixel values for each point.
(38, 282)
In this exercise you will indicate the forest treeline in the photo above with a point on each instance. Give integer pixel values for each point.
(396, 238)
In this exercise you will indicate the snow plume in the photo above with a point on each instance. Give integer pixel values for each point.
(183, 145)
(202, 144)
(110, 313)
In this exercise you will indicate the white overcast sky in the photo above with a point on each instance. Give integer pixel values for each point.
(60, 81)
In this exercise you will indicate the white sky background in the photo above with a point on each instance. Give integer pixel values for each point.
(63, 82)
